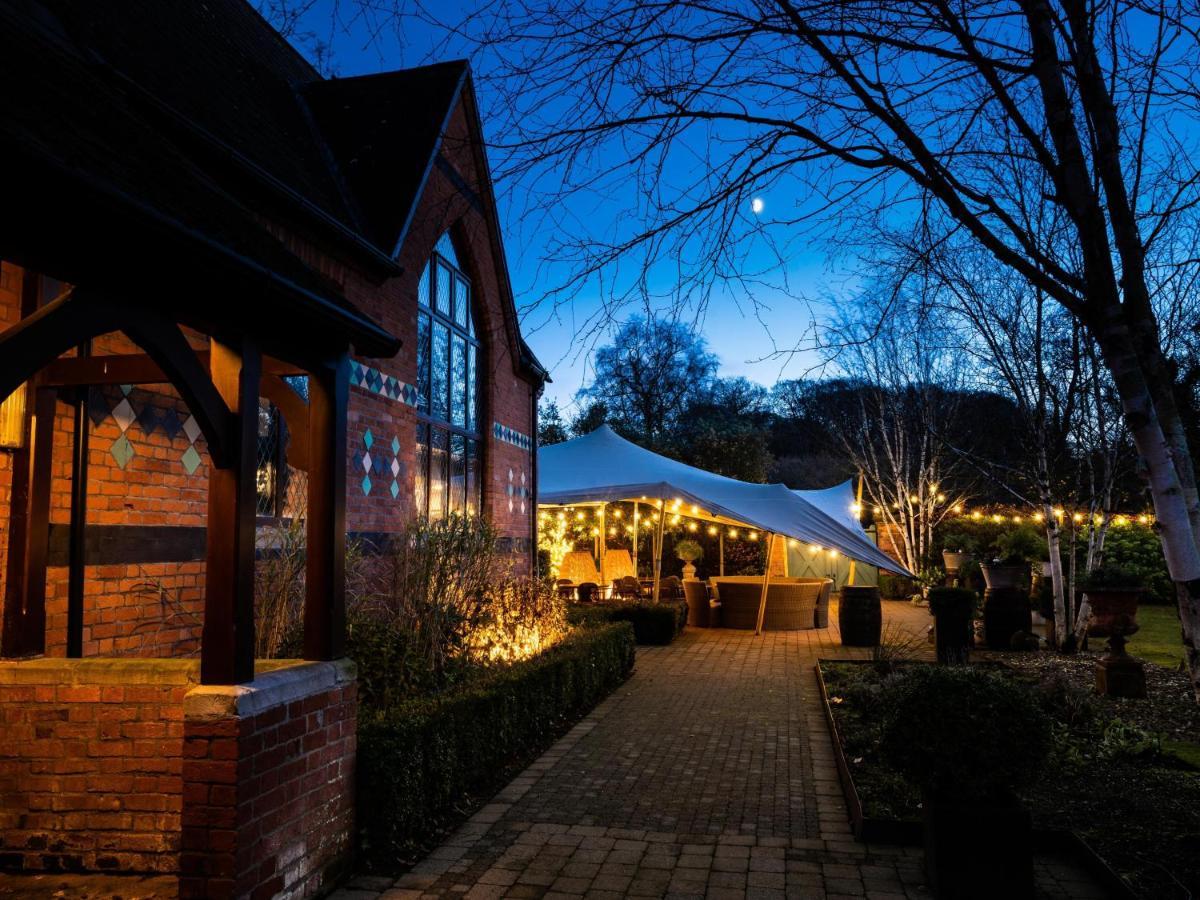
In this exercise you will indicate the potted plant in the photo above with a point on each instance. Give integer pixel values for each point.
(968, 738)
(1113, 595)
(958, 547)
(1013, 555)
(689, 551)
(953, 611)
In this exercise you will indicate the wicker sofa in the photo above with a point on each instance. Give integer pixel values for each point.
(792, 603)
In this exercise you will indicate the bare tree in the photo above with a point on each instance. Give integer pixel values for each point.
(914, 109)
(908, 391)
(666, 116)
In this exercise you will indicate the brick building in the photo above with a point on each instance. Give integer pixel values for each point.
(232, 294)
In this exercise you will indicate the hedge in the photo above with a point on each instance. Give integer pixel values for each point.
(653, 623)
(420, 764)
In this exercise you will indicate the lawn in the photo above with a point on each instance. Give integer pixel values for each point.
(1158, 639)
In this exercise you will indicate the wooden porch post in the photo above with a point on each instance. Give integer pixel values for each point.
(325, 587)
(227, 649)
(24, 630)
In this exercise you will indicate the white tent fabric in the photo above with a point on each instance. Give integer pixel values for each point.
(837, 502)
(602, 466)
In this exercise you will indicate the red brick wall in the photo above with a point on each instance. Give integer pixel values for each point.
(269, 797)
(90, 763)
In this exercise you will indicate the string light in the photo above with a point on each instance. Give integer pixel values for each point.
(712, 530)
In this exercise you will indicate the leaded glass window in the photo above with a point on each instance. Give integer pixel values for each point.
(448, 435)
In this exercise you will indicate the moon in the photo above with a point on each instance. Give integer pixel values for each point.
(756, 205)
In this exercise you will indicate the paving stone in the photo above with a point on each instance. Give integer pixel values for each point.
(709, 774)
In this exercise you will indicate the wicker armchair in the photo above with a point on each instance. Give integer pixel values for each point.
(791, 604)
(628, 588)
(670, 588)
(700, 612)
(587, 592)
(821, 613)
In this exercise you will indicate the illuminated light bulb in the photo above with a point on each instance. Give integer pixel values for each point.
(1120, 520)
(913, 498)
(562, 517)
(997, 518)
(1078, 517)
(675, 520)
(733, 532)
(1038, 517)
(1017, 519)
(793, 543)
(612, 532)
(713, 529)
(618, 513)
(878, 510)
(692, 526)
(1059, 511)
(856, 509)
(833, 554)
(1143, 520)
(941, 498)
(595, 532)
(977, 515)
(934, 486)
(816, 548)
(579, 516)
(695, 509)
(753, 535)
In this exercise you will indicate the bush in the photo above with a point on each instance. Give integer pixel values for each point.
(1021, 546)
(896, 587)
(653, 623)
(420, 762)
(961, 731)
(1138, 550)
(952, 600)
(1111, 578)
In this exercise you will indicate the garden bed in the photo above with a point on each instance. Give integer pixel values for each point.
(1105, 788)
(423, 766)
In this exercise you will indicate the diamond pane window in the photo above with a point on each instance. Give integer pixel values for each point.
(449, 442)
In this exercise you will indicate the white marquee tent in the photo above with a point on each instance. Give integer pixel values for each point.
(603, 467)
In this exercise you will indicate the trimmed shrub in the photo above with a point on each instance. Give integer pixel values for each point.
(959, 731)
(421, 762)
(1139, 550)
(653, 623)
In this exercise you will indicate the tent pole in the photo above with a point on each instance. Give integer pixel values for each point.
(762, 600)
(636, 538)
(658, 552)
(602, 544)
(858, 503)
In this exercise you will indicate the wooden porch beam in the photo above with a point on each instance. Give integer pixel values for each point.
(165, 344)
(295, 415)
(134, 368)
(227, 642)
(325, 582)
(46, 333)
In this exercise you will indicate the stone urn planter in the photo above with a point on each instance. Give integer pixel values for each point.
(1003, 575)
(689, 571)
(953, 560)
(860, 616)
(1113, 611)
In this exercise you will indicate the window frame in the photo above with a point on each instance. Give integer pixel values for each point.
(464, 334)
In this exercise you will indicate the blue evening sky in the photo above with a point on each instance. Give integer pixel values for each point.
(742, 336)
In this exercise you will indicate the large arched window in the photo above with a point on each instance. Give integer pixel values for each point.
(448, 429)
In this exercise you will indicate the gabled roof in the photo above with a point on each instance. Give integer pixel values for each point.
(383, 131)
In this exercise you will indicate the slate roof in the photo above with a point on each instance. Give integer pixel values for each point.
(194, 115)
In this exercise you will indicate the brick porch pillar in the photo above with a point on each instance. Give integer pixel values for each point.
(268, 783)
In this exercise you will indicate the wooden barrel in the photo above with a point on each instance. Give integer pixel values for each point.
(860, 617)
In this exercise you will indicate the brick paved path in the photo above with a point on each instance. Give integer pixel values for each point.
(710, 773)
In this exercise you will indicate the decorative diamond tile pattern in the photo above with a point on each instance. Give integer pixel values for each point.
(191, 428)
(122, 451)
(368, 438)
(191, 460)
(170, 424)
(395, 488)
(366, 484)
(511, 436)
(124, 415)
(384, 385)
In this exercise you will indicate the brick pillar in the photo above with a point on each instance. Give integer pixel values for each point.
(268, 783)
